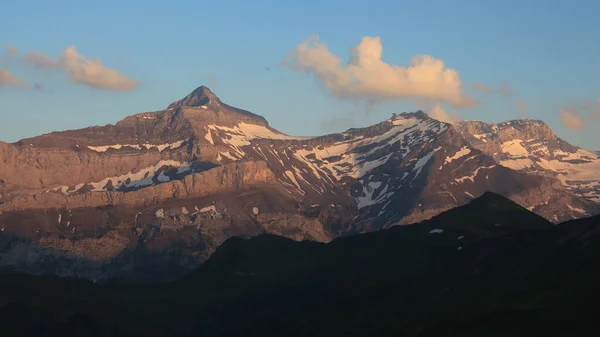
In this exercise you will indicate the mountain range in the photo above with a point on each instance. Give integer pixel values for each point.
(152, 197)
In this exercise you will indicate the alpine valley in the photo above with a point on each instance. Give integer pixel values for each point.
(152, 197)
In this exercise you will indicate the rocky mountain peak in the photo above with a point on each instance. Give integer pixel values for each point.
(206, 108)
(407, 115)
(491, 137)
(199, 97)
(512, 128)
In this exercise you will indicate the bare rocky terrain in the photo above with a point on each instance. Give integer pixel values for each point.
(152, 197)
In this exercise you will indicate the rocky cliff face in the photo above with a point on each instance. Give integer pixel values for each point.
(152, 196)
(531, 146)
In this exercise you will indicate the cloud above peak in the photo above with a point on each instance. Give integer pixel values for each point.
(435, 110)
(367, 77)
(571, 119)
(504, 90)
(579, 115)
(438, 112)
(81, 70)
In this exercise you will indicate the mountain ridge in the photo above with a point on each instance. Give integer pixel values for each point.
(167, 186)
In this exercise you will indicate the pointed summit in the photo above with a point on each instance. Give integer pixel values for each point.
(215, 110)
(201, 96)
(407, 115)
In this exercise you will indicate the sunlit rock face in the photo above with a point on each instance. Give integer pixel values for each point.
(152, 196)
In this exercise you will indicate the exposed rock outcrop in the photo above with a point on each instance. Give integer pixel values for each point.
(152, 196)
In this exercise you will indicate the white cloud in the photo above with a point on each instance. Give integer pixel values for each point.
(435, 110)
(367, 77)
(571, 119)
(438, 112)
(93, 73)
(7, 79)
(81, 70)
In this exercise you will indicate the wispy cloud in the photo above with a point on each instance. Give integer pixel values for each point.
(578, 115)
(435, 110)
(438, 112)
(81, 70)
(367, 77)
(40, 60)
(93, 73)
(504, 90)
(7, 79)
(571, 119)
(522, 106)
(11, 50)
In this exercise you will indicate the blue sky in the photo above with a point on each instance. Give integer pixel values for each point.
(546, 51)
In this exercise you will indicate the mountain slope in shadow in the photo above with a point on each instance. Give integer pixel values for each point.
(490, 267)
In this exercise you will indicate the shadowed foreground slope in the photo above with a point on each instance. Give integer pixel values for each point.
(488, 268)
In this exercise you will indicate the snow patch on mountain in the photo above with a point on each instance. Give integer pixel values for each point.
(160, 147)
(579, 172)
(240, 135)
(290, 175)
(580, 166)
(354, 157)
(517, 164)
(578, 210)
(483, 136)
(532, 147)
(459, 154)
(422, 161)
(208, 137)
(474, 175)
(367, 199)
(142, 178)
(514, 148)
(206, 209)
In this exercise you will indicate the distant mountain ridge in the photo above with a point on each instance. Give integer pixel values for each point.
(161, 190)
(531, 146)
